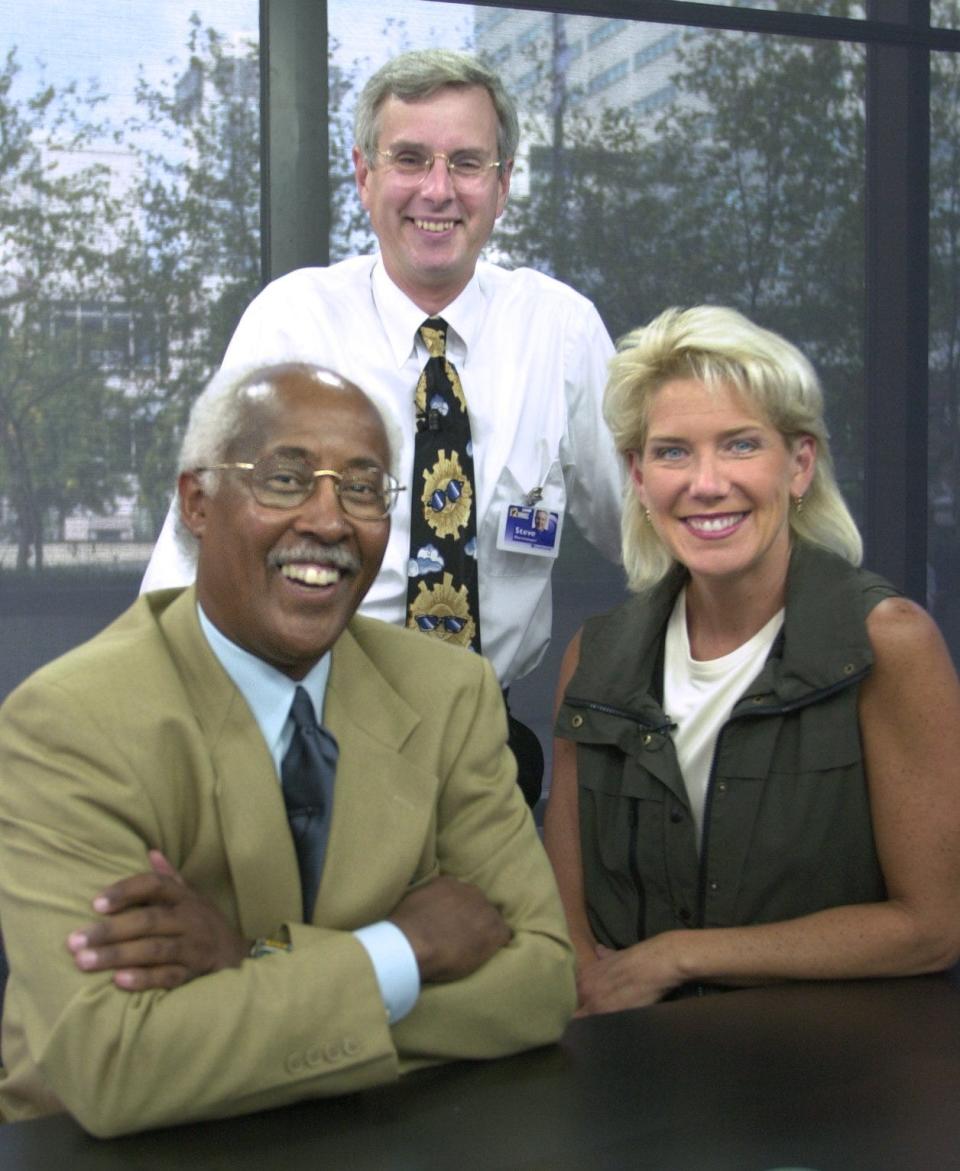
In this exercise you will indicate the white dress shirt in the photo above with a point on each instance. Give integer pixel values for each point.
(532, 356)
(269, 694)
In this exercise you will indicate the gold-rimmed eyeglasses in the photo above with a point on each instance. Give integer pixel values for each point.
(467, 169)
(365, 492)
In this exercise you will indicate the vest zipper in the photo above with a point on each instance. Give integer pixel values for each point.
(781, 709)
(608, 710)
(635, 871)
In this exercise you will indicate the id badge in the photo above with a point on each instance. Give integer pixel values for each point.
(530, 528)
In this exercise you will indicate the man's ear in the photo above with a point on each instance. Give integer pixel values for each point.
(503, 182)
(193, 503)
(361, 169)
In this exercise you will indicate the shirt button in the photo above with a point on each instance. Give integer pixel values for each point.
(722, 787)
(714, 885)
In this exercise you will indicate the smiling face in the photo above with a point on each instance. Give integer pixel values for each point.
(431, 234)
(717, 479)
(284, 584)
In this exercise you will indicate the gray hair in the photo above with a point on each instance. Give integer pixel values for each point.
(721, 347)
(411, 77)
(222, 411)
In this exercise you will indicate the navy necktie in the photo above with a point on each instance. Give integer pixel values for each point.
(442, 593)
(307, 774)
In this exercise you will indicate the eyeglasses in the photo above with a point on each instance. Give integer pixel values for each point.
(468, 171)
(365, 493)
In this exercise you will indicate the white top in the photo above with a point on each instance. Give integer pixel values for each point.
(700, 694)
(532, 357)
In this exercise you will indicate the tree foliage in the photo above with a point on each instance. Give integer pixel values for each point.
(57, 216)
(191, 248)
(746, 191)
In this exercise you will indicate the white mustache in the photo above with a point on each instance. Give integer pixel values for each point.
(315, 551)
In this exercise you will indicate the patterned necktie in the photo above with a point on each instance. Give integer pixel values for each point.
(442, 595)
(307, 773)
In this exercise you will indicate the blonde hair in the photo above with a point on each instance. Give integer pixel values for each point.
(719, 346)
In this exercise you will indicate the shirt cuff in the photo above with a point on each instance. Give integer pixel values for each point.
(394, 965)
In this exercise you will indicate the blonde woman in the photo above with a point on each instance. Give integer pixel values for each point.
(757, 764)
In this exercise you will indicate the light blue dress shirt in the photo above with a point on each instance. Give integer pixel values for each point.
(269, 694)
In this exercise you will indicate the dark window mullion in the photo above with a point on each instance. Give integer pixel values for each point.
(295, 183)
(897, 326)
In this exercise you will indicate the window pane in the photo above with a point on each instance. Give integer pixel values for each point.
(945, 14)
(943, 487)
(130, 243)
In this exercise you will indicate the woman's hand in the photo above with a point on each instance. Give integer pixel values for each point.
(631, 978)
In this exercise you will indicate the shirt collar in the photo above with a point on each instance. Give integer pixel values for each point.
(401, 318)
(268, 692)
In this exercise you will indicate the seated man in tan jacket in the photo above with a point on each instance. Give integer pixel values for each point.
(188, 937)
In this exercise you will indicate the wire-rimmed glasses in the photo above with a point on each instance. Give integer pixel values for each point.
(365, 491)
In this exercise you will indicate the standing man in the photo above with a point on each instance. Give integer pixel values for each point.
(502, 371)
(334, 877)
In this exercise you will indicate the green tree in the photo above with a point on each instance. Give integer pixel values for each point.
(747, 190)
(191, 247)
(56, 406)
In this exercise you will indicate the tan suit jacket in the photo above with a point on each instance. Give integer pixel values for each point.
(139, 739)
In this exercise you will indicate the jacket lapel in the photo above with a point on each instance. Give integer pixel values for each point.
(243, 780)
(384, 802)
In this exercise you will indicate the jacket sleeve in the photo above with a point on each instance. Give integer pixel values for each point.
(74, 817)
(524, 995)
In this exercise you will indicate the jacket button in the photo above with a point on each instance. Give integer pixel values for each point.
(721, 786)
(676, 815)
(684, 914)
(714, 885)
(576, 722)
(848, 668)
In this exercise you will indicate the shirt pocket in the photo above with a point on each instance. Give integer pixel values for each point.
(513, 486)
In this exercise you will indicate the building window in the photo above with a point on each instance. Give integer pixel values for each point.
(609, 77)
(609, 28)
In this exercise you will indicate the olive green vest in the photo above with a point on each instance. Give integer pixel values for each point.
(787, 827)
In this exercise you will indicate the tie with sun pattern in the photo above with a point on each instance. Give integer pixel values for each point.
(442, 592)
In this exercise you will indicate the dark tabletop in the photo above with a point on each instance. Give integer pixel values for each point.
(860, 1076)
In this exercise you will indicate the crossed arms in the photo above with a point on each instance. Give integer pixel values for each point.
(80, 807)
